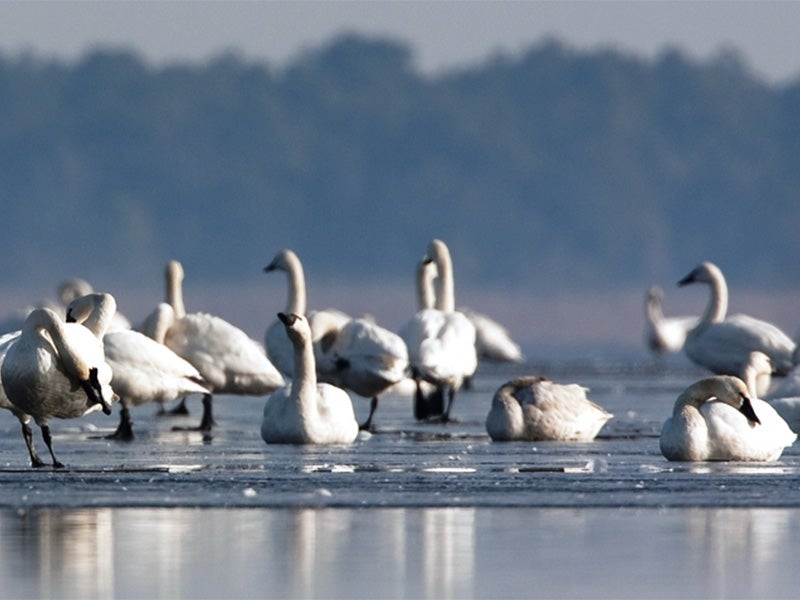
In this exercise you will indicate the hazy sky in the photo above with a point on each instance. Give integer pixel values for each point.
(442, 33)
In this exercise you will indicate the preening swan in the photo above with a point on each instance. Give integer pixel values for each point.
(724, 345)
(226, 358)
(664, 335)
(56, 369)
(144, 369)
(715, 419)
(356, 354)
(536, 409)
(441, 340)
(307, 412)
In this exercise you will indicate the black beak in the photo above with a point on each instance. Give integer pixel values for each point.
(70, 318)
(270, 267)
(747, 410)
(686, 280)
(287, 319)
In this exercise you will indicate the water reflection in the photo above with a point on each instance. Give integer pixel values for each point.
(430, 553)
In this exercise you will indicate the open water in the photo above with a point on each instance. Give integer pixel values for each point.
(413, 511)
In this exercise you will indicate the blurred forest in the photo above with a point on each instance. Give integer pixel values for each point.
(550, 168)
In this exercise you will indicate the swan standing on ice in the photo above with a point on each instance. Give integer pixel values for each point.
(307, 412)
(441, 340)
(226, 358)
(664, 335)
(55, 369)
(537, 409)
(723, 345)
(6, 341)
(715, 419)
(356, 354)
(144, 369)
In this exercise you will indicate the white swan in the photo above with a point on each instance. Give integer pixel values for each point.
(144, 369)
(356, 354)
(715, 419)
(6, 341)
(441, 340)
(56, 369)
(724, 345)
(307, 412)
(325, 324)
(664, 335)
(226, 358)
(536, 409)
(784, 396)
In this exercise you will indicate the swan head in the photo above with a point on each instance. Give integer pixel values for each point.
(437, 250)
(73, 288)
(282, 261)
(174, 271)
(705, 272)
(297, 327)
(728, 389)
(82, 307)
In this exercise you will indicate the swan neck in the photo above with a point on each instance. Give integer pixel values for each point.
(175, 293)
(54, 328)
(164, 320)
(717, 306)
(653, 311)
(296, 299)
(304, 384)
(101, 315)
(426, 297)
(445, 299)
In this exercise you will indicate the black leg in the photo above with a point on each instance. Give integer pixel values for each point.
(207, 422)
(181, 410)
(27, 434)
(451, 396)
(124, 432)
(367, 425)
(49, 441)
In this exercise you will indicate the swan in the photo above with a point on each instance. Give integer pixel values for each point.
(723, 345)
(55, 369)
(716, 419)
(307, 412)
(535, 409)
(440, 340)
(74, 288)
(325, 324)
(353, 353)
(228, 360)
(144, 369)
(784, 396)
(6, 341)
(664, 335)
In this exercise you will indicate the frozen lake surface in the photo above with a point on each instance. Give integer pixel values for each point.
(415, 510)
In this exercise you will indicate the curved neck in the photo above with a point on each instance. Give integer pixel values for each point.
(100, 313)
(296, 299)
(46, 320)
(164, 318)
(174, 289)
(717, 306)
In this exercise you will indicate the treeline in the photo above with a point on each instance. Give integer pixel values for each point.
(583, 169)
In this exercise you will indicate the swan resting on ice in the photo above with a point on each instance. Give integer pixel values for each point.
(535, 408)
